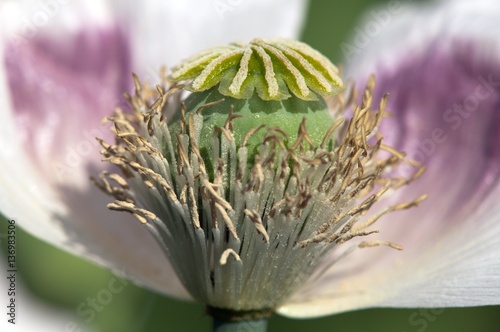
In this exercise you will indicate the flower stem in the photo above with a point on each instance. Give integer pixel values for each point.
(257, 325)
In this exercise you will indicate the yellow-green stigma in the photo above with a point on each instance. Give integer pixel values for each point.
(276, 68)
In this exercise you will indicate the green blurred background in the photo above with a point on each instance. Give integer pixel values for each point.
(65, 281)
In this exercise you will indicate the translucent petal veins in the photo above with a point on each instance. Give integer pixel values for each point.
(248, 235)
(275, 68)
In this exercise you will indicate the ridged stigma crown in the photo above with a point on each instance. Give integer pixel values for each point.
(274, 67)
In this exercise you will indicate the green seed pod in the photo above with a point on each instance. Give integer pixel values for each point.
(273, 82)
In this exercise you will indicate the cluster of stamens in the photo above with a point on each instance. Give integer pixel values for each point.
(246, 233)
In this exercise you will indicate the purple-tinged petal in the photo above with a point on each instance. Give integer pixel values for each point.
(61, 90)
(445, 102)
(54, 93)
(445, 114)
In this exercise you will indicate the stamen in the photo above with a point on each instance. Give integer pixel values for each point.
(370, 244)
(225, 256)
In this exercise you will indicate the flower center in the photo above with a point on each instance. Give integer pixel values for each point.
(246, 218)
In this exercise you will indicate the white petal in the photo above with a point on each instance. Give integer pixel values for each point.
(452, 241)
(460, 270)
(26, 19)
(165, 32)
